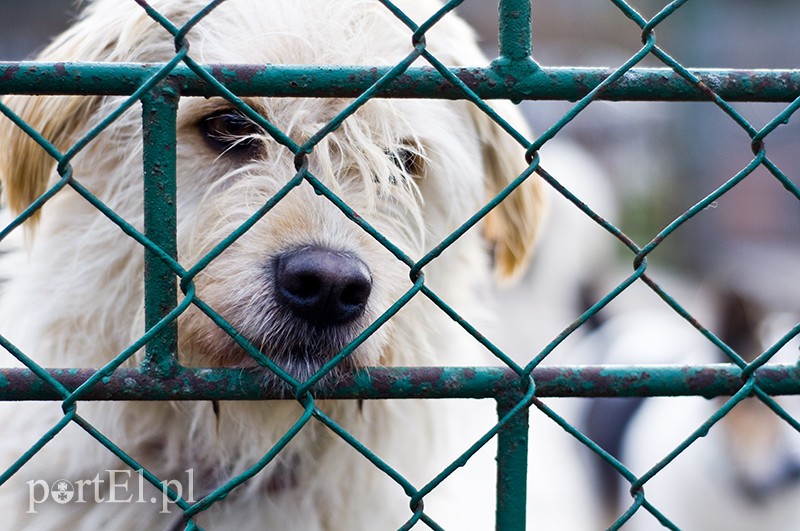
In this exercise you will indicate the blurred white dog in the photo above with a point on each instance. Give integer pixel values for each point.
(745, 472)
(299, 285)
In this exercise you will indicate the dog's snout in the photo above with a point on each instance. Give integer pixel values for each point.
(322, 286)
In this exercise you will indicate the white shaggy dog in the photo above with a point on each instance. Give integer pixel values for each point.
(299, 285)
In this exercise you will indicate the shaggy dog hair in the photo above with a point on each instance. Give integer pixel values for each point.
(414, 169)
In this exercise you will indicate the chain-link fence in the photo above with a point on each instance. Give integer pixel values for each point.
(516, 387)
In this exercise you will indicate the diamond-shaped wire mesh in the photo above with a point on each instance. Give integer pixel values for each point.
(170, 289)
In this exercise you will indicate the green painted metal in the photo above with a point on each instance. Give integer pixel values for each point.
(542, 83)
(512, 460)
(514, 36)
(159, 115)
(169, 288)
(723, 379)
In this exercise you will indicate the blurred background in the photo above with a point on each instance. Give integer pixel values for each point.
(662, 158)
(640, 165)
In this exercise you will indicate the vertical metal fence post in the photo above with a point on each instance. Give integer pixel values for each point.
(514, 38)
(159, 112)
(515, 47)
(512, 465)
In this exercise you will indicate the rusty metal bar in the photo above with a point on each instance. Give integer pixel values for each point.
(545, 83)
(514, 37)
(512, 465)
(404, 382)
(159, 114)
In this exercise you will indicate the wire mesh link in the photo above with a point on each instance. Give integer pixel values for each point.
(521, 387)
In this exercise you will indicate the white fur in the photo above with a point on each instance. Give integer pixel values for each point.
(77, 300)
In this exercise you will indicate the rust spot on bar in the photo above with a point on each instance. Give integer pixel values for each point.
(10, 73)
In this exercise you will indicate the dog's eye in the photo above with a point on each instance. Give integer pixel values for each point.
(407, 160)
(230, 131)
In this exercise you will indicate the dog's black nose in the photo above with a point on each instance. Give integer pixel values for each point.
(322, 286)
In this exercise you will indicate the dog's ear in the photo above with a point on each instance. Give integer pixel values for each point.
(511, 227)
(26, 167)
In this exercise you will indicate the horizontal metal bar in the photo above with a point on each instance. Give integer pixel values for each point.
(546, 83)
(405, 382)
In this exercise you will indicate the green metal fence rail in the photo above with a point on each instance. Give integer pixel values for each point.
(513, 75)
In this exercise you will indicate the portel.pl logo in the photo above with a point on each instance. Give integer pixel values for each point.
(114, 486)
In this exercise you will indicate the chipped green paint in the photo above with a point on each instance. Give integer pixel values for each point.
(159, 114)
(409, 382)
(529, 82)
(512, 464)
(514, 37)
